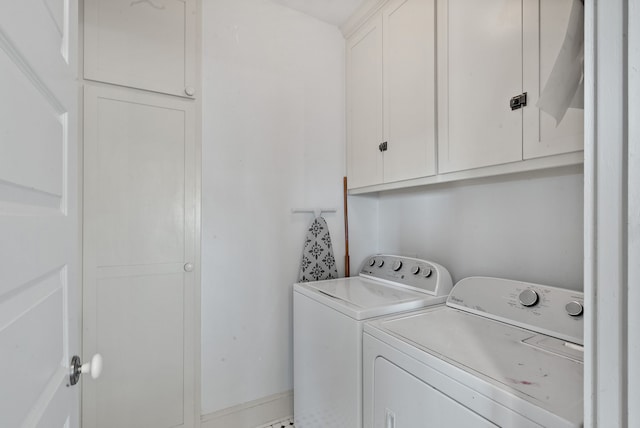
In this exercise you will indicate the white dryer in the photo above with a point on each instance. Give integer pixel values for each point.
(327, 330)
(499, 353)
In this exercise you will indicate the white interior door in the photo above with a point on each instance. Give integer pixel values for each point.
(139, 248)
(39, 230)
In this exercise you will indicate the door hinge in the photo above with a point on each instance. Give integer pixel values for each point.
(518, 101)
(383, 147)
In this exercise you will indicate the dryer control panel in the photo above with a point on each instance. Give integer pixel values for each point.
(553, 311)
(421, 275)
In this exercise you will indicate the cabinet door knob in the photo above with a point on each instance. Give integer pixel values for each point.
(188, 267)
(189, 90)
(383, 147)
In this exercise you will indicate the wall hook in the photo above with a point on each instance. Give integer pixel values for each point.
(316, 211)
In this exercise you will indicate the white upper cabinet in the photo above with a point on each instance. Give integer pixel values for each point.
(391, 95)
(364, 94)
(545, 24)
(409, 89)
(145, 44)
(489, 52)
(480, 69)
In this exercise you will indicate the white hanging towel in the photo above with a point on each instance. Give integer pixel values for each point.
(565, 87)
(318, 262)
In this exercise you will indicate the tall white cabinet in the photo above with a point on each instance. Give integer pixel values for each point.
(391, 95)
(405, 117)
(141, 295)
(139, 257)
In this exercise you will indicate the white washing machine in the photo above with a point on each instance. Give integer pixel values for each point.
(327, 332)
(499, 353)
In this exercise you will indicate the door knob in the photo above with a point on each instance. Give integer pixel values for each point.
(77, 368)
(188, 267)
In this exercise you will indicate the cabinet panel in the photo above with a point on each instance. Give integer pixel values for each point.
(409, 89)
(146, 44)
(480, 69)
(545, 24)
(364, 88)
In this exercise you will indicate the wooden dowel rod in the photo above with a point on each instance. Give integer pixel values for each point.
(346, 230)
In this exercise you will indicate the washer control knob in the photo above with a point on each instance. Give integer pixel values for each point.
(574, 308)
(528, 297)
(372, 261)
(380, 263)
(397, 265)
(415, 270)
(427, 272)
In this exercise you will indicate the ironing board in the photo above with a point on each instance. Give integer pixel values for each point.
(318, 262)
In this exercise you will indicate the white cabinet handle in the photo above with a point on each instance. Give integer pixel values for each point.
(189, 90)
(188, 267)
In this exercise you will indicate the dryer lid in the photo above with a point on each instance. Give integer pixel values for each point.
(544, 370)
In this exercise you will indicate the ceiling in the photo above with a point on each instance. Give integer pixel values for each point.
(334, 12)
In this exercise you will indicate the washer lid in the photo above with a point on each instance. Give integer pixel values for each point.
(362, 298)
(540, 369)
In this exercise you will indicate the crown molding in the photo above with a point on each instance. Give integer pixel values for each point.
(368, 9)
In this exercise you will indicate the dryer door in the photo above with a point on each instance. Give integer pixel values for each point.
(401, 400)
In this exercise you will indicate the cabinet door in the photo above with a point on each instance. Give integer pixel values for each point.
(146, 44)
(139, 245)
(545, 24)
(479, 70)
(364, 97)
(409, 89)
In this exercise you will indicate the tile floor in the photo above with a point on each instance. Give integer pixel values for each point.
(284, 423)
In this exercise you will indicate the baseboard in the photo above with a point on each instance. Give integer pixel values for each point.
(252, 414)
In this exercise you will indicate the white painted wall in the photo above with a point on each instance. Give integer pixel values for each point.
(524, 226)
(273, 139)
(363, 229)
